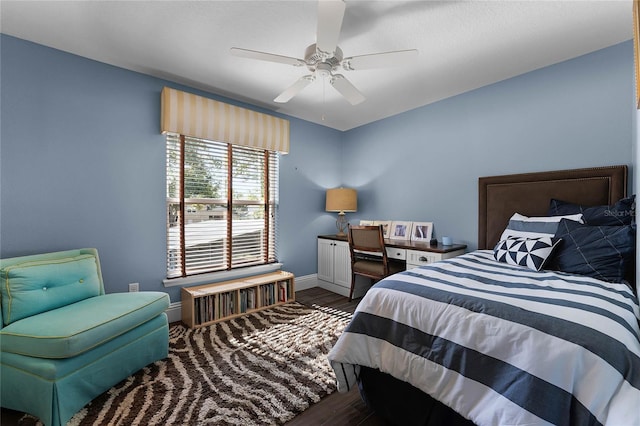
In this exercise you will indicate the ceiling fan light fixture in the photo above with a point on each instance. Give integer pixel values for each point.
(323, 70)
(324, 57)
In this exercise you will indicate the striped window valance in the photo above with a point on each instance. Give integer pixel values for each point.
(196, 116)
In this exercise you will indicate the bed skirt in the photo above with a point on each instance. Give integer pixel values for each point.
(399, 403)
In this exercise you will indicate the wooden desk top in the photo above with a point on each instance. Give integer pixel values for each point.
(411, 245)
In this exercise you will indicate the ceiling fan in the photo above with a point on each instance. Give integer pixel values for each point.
(324, 58)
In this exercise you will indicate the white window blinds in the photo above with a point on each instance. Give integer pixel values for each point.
(221, 206)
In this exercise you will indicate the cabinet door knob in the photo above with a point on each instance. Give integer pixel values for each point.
(423, 259)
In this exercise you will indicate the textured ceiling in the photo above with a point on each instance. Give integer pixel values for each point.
(462, 45)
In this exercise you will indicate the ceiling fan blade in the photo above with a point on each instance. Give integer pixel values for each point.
(347, 89)
(269, 57)
(330, 14)
(379, 60)
(294, 89)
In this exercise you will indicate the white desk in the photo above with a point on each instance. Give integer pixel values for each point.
(334, 259)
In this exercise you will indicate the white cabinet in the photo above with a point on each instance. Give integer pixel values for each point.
(334, 262)
(417, 258)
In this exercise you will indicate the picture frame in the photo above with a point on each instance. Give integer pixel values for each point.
(400, 230)
(366, 222)
(386, 226)
(421, 231)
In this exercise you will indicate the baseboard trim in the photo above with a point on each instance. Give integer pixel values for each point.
(174, 311)
(306, 282)
(362, 285)
(335, 288)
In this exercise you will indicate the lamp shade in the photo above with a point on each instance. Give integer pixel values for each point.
(341, 200)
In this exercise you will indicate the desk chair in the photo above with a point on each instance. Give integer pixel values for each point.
(368, 255)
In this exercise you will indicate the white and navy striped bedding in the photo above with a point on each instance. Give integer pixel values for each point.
(502, 344)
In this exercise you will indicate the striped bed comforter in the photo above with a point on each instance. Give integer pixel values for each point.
(501, 344)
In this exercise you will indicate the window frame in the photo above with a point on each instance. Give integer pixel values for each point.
(177, 263)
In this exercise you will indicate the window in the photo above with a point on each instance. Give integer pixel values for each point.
(221, 206)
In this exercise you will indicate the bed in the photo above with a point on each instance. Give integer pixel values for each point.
(479, 340)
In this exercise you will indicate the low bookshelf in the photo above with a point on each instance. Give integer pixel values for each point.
(209, 303)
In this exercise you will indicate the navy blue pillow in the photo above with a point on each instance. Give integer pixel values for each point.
(602, 252)
(621, 213)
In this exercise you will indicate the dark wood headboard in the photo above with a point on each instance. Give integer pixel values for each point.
(530, 193)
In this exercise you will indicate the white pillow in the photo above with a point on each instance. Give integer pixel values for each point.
(521, 226)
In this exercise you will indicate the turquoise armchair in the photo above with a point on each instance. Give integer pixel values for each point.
(63, 341)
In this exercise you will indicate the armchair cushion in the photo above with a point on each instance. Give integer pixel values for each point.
(37, 286)
(59, 333)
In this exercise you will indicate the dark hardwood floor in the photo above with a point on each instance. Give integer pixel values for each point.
(337, 409)
(346, 409)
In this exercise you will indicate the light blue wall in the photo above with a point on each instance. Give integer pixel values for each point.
(82, 165)
(312, 166)
(424, 165)
(82, 161)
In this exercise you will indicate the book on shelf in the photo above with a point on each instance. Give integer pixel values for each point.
(283, 291)
(210, 302)
(251, 298)
(247, 299)
(204, 309)
(269, 293)
(224, 304)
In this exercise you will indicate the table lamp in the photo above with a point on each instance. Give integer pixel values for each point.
(341, 200)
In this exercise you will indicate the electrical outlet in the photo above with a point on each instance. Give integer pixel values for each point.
(133, 287)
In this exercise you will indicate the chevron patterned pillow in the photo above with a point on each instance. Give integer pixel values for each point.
(529, 252)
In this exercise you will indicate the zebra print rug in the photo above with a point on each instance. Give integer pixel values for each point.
(259, 369)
